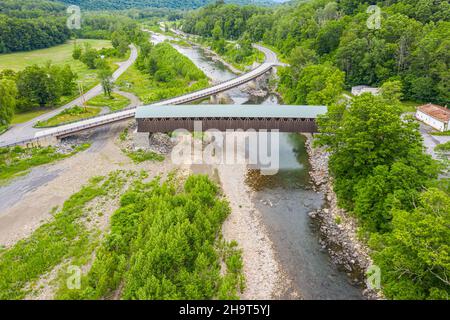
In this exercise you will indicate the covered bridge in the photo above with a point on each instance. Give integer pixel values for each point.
(285, 118)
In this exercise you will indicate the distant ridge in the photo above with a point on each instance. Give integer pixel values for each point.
(173, 4)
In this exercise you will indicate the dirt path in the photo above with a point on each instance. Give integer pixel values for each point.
(53, 184)
(134, 100)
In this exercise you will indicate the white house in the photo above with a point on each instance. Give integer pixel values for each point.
(359, 90)
(435, 116)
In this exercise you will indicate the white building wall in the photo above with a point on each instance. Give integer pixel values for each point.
(360, 91)
(436, 124)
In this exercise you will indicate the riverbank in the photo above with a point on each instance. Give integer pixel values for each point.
(262, 271)
(28, 201)
(216, 57)
(338, 229)
(211, 53)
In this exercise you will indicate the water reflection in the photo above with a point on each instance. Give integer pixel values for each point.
(293, 166)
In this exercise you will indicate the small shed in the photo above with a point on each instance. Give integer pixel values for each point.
(435, 116)
(359, 90)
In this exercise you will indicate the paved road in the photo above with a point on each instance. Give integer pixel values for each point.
(271, 61)
(430, 142)
(25, 130)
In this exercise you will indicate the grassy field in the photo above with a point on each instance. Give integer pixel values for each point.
(58, 55)
(117, 102)
(174, 226)
(149, 90)
(61, 54)
(69, 115)
(65, 236)
(27, 116)
(140, 156)
(409, 106)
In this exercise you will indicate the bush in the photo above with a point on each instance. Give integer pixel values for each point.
(161, 246)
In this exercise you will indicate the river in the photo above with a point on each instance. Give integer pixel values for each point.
(284, 201)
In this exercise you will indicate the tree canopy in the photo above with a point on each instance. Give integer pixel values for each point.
(377, 158)
(28, 25)
(411, 45)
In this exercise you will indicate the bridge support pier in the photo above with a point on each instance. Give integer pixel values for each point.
(220, 98)
(44, 142)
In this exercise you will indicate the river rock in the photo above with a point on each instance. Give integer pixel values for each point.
(341, 238)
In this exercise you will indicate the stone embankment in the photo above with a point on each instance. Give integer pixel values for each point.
(338, 228)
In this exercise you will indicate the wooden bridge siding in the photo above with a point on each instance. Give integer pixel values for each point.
(222, 124)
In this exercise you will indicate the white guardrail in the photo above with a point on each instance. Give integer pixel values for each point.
(89, 123)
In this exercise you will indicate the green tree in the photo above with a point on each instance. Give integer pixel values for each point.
(377, 158)
(37, 86)
(392, 91)
(317, 85)
(90, 57)
(415, 257)
(107, 81)
(429, 79)
(8, 93)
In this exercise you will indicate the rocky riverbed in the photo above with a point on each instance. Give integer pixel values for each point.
(337, 227)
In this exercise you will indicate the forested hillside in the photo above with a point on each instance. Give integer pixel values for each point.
(29, 24)
(411, 46)
(174, 4)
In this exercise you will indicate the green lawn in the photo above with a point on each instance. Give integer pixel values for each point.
(3, 128)
(117, 102)
(149, 90)
(58, 55)
(69, 115)
(27, 116)
(409, 106)
(61, 54)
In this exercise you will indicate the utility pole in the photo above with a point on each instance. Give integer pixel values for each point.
(83, 98)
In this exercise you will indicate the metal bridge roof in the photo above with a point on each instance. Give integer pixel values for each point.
(230, 111)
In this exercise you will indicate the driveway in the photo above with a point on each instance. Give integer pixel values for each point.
(431, 141)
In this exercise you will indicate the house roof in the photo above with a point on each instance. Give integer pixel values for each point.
(435, 111)
(230, 111)
(361, 87)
